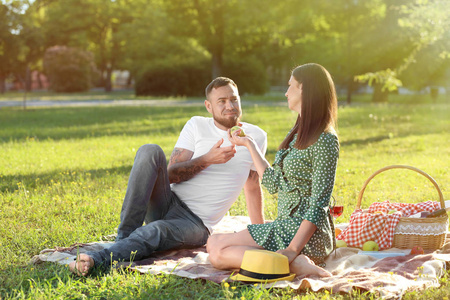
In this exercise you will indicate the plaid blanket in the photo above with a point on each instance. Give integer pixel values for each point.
(390, 277)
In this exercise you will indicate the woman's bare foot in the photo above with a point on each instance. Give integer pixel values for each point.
(82, 265)
(303, 265)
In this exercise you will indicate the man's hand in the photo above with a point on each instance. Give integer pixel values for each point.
(291, 254)
(219, 155)
(181, 167)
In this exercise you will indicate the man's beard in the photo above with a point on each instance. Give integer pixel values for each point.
(228, 123)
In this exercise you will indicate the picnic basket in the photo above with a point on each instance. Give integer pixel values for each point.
(428, 233)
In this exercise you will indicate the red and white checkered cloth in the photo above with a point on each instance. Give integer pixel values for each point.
(370, 225)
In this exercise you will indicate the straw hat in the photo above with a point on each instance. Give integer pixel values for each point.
(263, 266)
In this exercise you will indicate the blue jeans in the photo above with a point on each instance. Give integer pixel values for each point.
(169, 223)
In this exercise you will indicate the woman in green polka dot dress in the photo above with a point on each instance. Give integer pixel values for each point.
(302, 174)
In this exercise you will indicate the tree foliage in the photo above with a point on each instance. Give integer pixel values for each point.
(93, 25)
(424, 28)
(257, 42)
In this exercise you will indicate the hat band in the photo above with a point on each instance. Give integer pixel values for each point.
(261, 276)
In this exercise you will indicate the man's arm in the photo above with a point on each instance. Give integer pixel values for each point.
(254, 198)
(182, 167)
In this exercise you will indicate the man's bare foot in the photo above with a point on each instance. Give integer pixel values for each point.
(82, 265)
(303, 265)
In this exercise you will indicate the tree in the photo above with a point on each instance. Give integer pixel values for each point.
(150, 47)
(361, 36)
(8, 44)
(21, 41)
(429, 27)
(222, 27)
(93, 25)
(425, 24)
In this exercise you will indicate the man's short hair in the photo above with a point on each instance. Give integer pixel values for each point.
(219, 82)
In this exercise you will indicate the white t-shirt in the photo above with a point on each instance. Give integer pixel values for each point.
(210, 193)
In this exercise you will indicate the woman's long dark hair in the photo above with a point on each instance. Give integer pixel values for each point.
(318, 106)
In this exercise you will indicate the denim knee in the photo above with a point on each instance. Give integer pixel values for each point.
(149, 151)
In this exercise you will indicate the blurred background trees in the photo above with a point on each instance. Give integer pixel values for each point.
(173, 47)
(69, 69)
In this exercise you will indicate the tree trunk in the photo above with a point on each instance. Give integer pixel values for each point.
(216, 63)
(39, 81)
(214, 33)
(378, 94)
(350, 59)
(129, 80)
(108, 84)
(217, 46)
(28, 79)
(101, 78)
(2, 84)
(349, 91)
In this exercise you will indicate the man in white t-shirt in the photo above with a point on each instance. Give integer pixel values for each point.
(181, 203)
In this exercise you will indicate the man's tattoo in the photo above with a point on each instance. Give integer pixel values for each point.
(176, 153)
(185, 168)
(184, 173)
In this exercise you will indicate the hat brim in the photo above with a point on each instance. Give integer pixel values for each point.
(239, 277)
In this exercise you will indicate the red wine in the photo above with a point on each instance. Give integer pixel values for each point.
(337, 210)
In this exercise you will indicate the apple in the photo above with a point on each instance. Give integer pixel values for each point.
(370, 246)
(416, 250)
(234, 128)
(340, 243)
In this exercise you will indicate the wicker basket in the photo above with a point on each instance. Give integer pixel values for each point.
(429, 233)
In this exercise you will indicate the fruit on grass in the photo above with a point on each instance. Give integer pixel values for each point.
(370, 246)
(337, 232)
(234, 128)
(416, 250)
(340, 243)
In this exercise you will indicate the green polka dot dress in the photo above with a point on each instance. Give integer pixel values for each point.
(304, 181)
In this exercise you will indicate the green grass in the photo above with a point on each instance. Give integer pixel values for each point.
(64, 171)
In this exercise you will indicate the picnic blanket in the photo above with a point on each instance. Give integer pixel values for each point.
(390, 277)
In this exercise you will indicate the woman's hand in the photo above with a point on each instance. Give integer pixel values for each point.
(237, 140)
(291, 254)
(261, 164)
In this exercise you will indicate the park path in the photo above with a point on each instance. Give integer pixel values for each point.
(81, 103)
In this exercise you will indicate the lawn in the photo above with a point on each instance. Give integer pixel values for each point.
(64, 172)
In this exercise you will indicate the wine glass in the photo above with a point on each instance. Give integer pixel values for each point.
(335, 211)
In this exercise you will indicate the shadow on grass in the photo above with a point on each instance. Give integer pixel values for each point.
(10, 183)
(56, 280)
(79, 123)
(366, 141)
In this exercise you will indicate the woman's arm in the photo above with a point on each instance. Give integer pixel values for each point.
(258, 158)
(254, 198)
(301, 238)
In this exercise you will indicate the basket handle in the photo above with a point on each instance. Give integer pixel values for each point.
(441, 197)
